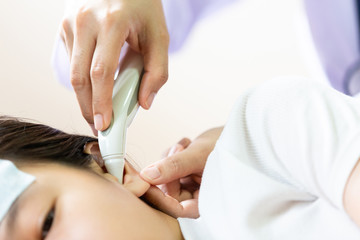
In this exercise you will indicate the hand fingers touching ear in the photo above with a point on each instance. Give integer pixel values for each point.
(173, 188)
(178, 164)
(172, 167)
(175, 198)
(179, 175)
(171, 206)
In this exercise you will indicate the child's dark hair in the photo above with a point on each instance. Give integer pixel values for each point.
(22, 140)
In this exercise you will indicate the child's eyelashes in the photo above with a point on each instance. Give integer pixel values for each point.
(46, 227)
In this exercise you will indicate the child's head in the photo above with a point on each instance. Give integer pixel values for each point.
(72, 197)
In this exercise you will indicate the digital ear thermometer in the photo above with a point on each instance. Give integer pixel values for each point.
(112, 141)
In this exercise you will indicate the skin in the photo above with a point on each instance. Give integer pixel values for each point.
(188, 158)
(352, 194)
(94, 32)
(121, 212)
(67, 188)
(180, 173)
(88, 205)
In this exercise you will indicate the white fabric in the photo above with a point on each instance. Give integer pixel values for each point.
(280, 166)
(12, 183)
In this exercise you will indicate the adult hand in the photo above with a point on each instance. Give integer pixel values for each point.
(178, 176)
(94, 31)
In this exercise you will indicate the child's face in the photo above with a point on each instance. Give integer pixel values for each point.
(86, 206)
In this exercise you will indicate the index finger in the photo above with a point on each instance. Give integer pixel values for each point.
(170, 206)
(155, 54)
(104, 64)
(174, 167)
(82, 53)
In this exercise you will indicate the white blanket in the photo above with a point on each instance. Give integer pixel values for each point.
(280, 166)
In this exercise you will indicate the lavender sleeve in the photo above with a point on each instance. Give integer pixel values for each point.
(181, 16)
(333, 23)
(60, 63)
(334, 28)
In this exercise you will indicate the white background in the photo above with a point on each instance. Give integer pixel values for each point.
(238, 47)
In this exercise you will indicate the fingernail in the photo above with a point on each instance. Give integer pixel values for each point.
(172, 150)
(179, 148)
(99, 122)
(151, 173)
(150, 99)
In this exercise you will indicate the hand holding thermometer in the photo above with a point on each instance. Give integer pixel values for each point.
(112, 141)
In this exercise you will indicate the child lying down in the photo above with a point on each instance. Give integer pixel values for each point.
(284, 167)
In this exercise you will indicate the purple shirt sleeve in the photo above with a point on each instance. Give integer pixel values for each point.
(60, 63)
(181, 15)
(333, 24)
(334, 28)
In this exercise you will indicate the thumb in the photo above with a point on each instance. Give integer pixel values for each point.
(155, 70)
(171, 168)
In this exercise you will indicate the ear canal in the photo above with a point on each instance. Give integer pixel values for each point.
(93, 149)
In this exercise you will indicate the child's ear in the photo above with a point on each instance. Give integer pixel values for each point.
(89, 145)
(92, 148)
(133, 182)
